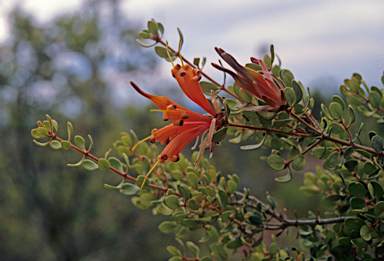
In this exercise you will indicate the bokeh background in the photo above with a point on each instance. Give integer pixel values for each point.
(74, 59)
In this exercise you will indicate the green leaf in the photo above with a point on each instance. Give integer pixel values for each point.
(326, 112)
(369, 168)
(336, 110)
(66, 145)
(195, 250)
(184, 191)
(42, 132)
(129, 189)
(219, 135)
(286, 76)
(111, 187)
(234, 244)
(167, 226)
(231, 186)
(298, 91)
(181, 41)
(374, 99)
(144, 35)
(357, 203)
(69, 130)
(352, 114)
(379, 208)
(193, 180)
(333, 160)
(245, 96)
(339, 100)
(55, 144)
(174, 251)
(89, 164)
(355, 101)
(41, 144)
(145, 45)
(115, 163)
(290, 96)
(80, 142)
(357, 189)
(276, 162)
(153, 27)
(172, 202)
(223, 198)
(103, 164)
(206, 87)
(298, 163)
(377, 143)
(286, 178)
(254, 146)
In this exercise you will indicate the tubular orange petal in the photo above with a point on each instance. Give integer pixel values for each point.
(174, 147)
(188, 80)
(163, 102)
(167, 133)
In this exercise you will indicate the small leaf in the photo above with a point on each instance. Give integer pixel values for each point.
(374, 99)
(103, 164)
(42, 132)
(286, 76)
(55, 144)
(336, 110)
(365, 233)
(174, 251)
(333, 160)
(115, 163)
(339, 100)
(80, 142)
(219, 135)
(286, 178)
(195, 250)
(193, 180)
(41, 144)
(65, 145)
(69, 130)
(379, 208)
(290, 96)
(153, 27)
(172, 202)
(352, 114)
(129, 189)
(89, 164)
(223, 198)
(144, 35)
(145, 45)
(326, 112)
(276, 162)
(181, 39)
(206, 87)
(254, 146)
(196, 61)
(377, 143)
(298, 163)
(111, 187)
(357, 189)
(167, 226)
(184, 191)
(231, 186)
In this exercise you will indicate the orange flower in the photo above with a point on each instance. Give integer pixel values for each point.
(186, 125)
(261, 84)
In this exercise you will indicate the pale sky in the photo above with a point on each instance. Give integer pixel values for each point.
(314, 39)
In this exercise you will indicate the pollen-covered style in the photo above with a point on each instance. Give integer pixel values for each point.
(186, 125)
(261, 84)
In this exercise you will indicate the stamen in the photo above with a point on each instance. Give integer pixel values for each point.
(197, 141)
(137, 144)
(166, 46)
(145, 179)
